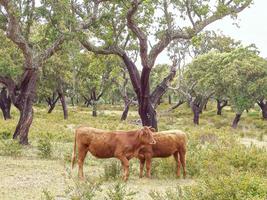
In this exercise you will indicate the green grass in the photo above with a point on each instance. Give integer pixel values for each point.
(218, 165)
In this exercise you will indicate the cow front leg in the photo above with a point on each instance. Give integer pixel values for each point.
(125, 165)
(142, 163)
(148, 167)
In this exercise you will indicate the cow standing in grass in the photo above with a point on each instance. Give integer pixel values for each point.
(123, 145)
(168, 143)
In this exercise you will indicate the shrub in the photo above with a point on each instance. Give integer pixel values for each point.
(168, 195)
(112, 170)
(5, 135)
(85, 190)
(10, 147)
(119, 192)
(236, 186)
(44, 146)
(164, 168)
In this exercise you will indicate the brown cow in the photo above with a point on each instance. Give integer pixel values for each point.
(168, 143)
(106, 144)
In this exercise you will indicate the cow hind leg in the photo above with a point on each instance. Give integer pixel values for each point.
(82, 151)
(176, 157)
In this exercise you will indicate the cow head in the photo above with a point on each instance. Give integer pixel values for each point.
(146, 135)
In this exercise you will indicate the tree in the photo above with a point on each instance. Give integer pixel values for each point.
(56, 78)
(245, 71)
(11, 57)
(239, 75)
(119, 26)
(95, 74)
(17, 21)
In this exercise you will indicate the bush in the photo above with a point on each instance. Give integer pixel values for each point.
(112, 170)
(10, 147)
(119, 192)
(164, 168)
(236, 186)
(168, 195)
(44, 146)
(5, 135)
(85, 190)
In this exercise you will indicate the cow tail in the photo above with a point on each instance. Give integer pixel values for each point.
(74, 152)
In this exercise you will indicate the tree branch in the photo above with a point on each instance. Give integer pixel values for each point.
(188, 33)
(14, 32)
(138, 32)
(41, 58)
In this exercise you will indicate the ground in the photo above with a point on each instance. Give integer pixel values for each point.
(25, 174)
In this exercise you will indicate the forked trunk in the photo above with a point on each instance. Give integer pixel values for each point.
(24, 103)
(51, 107)
(52, 104)
(236, 120)
(5, 103)
(148, 115)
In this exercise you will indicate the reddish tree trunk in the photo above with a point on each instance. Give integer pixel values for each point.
(5, 103)
(236, 120)
(146, 110)
(24, 103)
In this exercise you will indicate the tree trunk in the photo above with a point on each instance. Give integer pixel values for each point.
(5, 103)
(236, 120)
(196, 110)
(127, 104)
(52, 103)
(263, 107)
(63, 103)
(146, 109)
(94, 111)
(24, 103)
(220, 106)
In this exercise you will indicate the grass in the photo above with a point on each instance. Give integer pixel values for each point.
(217, 163)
